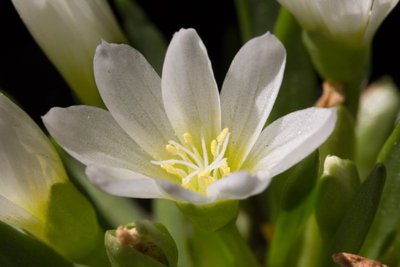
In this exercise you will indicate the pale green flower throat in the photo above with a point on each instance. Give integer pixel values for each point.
(197, 169)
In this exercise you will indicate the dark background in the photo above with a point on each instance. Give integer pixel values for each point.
(27, 75)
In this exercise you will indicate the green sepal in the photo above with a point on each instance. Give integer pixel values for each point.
(299, 86)
(387, 219)
(338, 185)
(212, 216)
(19, 249)
(340, 63)
(358, 217)
(142, 33)
(154, 248)
(377, 113)
(71, 226)
(341, 142)
(336, 61)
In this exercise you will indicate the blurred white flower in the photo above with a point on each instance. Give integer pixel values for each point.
(353, 22)
(35, 193)
(29, 167)
(177, 138)
(68, 31)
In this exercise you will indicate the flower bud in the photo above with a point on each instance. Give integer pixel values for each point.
(339, 183)
(142, 243)
(377, 112)
(350, 22)
(35, 193)
(68, 31)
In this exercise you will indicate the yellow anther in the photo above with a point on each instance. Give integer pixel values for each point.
(170, 169)
(214, 147)
(204, 174)
(221, 137)
(225, 169)
(172, 149)
(188, 138)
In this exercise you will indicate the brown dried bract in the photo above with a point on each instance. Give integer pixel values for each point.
(351, 260)
(332, 95)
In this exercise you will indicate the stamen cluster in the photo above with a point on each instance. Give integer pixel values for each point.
(197, 168)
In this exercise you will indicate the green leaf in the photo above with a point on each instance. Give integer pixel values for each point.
(18, 249)
(112, 210)
(299, 86)
(358, 218)
(72, 227)
(301, 180)
(141, 32)
(377, 113)
(296, 204)
(387, 219)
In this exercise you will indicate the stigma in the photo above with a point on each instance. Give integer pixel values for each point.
(197, 167)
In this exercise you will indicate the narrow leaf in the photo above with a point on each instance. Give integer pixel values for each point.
(388, 214)
(19, 249)
(359, 216)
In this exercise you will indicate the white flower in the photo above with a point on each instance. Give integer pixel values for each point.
(68, 31)
(352, 21)
(177, 138)
(29, 167)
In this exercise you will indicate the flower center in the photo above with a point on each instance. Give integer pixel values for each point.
(197, 168)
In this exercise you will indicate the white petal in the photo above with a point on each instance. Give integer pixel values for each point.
(306, 12)
(249, 92)
(29, 164)
(189, 90)
(122, 182)
(290, 139)
(92, 136)
(345, 18)
(238, 185)
(177, 192)
(379, 11)
(131, 90)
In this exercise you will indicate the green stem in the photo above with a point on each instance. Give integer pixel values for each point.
(242, 9)
(352, 92)
(234, 242)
